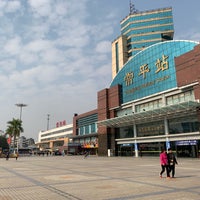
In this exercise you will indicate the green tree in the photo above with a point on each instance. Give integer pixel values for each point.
(3, 143)
(14, 129)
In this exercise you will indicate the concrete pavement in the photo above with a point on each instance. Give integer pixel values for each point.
(99, 178)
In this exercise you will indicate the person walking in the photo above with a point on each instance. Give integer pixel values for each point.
(164, 163)
(8, 155)
(86, 154)
(17, 155)
(172, 162)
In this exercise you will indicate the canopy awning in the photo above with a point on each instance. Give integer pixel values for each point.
(171, 111)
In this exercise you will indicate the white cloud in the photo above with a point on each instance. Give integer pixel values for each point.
(36, 4)
(41, 7)
(28, 58)
(13, 46)
(52, 56)
(103, 47)
(7, 65)
(13, 6)
(3, 4)
(38, 45)
(9, 6)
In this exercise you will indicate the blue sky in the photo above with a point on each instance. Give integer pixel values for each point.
(55, 55)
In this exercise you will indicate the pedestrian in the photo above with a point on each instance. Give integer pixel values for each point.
(17, 155)
(86, 154)
(172, 162)
(164, 163)
(8, 155)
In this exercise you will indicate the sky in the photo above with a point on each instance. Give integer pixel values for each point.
(55, 55)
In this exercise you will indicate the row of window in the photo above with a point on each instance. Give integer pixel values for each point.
(55, 138)
(57, 132)
(171, 100)
(149, 29)
(158, 103)
(87, 120)
(159, 21)
(88, 140)
(146, 27)
(149, 106)
(146, 16)
(92, 128)
(182, 97)
(144, 37)
(175, 126)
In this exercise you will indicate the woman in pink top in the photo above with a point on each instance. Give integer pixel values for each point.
(164, 163)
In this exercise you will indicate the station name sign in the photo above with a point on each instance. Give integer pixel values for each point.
(186, 142)
(161, 64)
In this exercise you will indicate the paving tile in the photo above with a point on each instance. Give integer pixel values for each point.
(99, 178)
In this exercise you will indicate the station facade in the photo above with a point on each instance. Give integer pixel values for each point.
(153, 99)
(153, 102)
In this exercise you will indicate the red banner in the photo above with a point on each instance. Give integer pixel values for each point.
(9, 140)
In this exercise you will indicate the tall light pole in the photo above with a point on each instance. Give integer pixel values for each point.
(48, 115)
(20, 105)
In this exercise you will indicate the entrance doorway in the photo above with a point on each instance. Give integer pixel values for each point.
(126, 150)
(187, 148)
(187, 151)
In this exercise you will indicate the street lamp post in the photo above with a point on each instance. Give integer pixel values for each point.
(20, 105)
(48, 115)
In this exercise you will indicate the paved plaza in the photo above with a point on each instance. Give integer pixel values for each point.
(96, 178)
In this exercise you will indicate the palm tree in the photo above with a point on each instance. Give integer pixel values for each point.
(14, 129)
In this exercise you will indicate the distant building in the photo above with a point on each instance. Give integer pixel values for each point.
(30, 142)
(56, 138)
(22, 142)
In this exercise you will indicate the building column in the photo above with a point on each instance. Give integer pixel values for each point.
(135, 133)
(167, 133)
(135, 142)
(166, 126)
(51, 145)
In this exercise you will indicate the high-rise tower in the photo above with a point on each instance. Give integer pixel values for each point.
(138, 31)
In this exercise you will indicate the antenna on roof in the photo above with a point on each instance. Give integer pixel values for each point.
(132, 8)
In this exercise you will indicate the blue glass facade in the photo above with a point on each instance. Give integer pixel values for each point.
(87, 125)
(151, 70)
(144, 29)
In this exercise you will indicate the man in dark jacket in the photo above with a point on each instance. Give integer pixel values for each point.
(172, 162)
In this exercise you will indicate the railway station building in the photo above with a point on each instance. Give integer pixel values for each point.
(153, 99)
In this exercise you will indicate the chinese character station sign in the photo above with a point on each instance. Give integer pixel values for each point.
(151, 71)
(144, 71)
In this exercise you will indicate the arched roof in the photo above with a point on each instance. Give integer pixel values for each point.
(152, 70)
